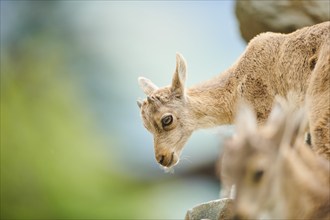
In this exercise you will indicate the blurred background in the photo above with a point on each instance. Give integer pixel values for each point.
(72, 142)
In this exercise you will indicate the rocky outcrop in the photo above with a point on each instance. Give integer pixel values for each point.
(283, 16)
(214, 210)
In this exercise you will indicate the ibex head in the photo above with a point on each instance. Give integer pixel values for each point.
(249, 157)
(165, 115)
(258, 160)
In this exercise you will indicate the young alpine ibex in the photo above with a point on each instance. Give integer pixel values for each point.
(277, 175)
(228, 188)
(272, 64)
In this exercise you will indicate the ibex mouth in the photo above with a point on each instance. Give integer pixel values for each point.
(169, 168)
(171, 160)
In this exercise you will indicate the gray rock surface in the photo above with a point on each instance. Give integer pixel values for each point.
(282, 16)
(214, 210)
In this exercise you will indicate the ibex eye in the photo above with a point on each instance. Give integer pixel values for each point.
(167, 120)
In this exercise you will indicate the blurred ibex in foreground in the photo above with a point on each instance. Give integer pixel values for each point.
(272, 64)
(277, 175)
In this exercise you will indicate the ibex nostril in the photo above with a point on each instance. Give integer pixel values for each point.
(161, 159)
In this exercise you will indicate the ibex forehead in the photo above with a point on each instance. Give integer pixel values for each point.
(163, 94)
(160, 100)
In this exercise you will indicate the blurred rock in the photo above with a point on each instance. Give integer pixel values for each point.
(217, 209)
(283, 16)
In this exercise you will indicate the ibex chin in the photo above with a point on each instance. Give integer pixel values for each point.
(272, 64)
(277, 175)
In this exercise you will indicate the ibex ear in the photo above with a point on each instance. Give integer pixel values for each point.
(246, 121)
(179, 77)
(276, 118)
(276, 123)
(139, 103)
(295, 128)
(146, 85)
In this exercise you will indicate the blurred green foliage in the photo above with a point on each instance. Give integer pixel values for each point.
(55, 163)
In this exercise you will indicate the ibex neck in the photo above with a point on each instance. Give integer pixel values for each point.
(211, 103)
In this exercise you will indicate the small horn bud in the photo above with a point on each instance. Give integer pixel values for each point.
(150, 100)
(139, 103)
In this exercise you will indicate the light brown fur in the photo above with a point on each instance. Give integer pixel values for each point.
(277, 175)
(271, 65)
(318, 101)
